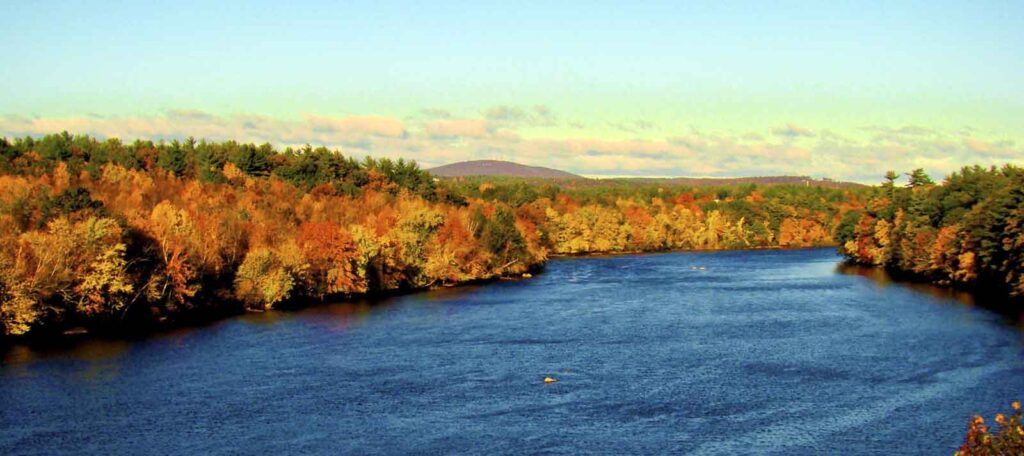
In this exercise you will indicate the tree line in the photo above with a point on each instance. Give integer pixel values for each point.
(107, 235)
(967, 230)
(577, 218)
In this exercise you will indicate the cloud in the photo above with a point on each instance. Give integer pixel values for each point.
(191, 115)
(536, 116)
(792, 131)
(365, 125)
(978, 145)
(440, 137)
(461, 128)
(906, 130)
(635, 126)
(505, 114)
(432, 113)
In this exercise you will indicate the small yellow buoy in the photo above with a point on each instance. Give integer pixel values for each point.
(527, 275)
(549, 380)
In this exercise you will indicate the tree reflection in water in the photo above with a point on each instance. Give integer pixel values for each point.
(990, 301)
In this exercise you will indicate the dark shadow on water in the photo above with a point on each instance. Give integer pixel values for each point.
(1003, 305)
(355, 309)
(105, 348)
(90, 348)
(344, 314)
(86, 350)
(883, 279)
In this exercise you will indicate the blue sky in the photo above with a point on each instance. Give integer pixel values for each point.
(661, 88)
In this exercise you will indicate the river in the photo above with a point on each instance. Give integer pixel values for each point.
(752, 352)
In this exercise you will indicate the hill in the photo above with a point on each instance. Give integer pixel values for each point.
(727, 181)
(498, 168)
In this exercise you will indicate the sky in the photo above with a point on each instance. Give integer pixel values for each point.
(845, 90)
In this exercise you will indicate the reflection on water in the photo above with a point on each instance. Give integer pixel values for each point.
(995, 302)
(766, 352)
(339, 316)
(346, 315)
(92, 350)
(102, 354)
(100, 360)
(883, 279)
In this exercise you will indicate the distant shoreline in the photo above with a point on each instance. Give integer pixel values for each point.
(655, 252)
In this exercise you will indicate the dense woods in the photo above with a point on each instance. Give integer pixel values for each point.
(108, 235)
(581, 218)
(111, 235)
(967, 230)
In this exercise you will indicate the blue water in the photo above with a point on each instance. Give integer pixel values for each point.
(771, 352)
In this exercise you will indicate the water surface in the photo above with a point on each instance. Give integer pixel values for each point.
(769, 352)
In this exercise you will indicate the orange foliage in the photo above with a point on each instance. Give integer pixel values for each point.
(1006, 441)
(802, 233)
(332, 255)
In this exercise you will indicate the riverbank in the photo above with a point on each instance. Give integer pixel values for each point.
(966, 232)
(994, 299)
(205, 315)
(655, 252)
(651, 357)
(229, 308)
(1000, 303)
(199, 316)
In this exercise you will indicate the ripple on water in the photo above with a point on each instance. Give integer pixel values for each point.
(765, 352)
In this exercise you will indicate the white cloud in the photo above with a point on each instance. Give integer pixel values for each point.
(437, 137)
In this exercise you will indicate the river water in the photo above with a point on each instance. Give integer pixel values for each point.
(760, 352)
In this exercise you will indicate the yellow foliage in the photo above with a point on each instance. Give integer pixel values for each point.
(69, 266)
(966, 270)
(269, 276)
(807, 233)
(19, 308)
(61, 178)
(176, 279)
(106, 287)
(232, 173)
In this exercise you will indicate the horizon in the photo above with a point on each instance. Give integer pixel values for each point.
(840, 91)
(628, 176)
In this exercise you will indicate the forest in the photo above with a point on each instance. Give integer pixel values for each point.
(109, 236)
(112, 236)
(966, 231)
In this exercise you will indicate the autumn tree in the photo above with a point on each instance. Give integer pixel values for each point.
(333, 258)
(269, 276)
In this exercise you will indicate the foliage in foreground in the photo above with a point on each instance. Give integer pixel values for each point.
(1008, 440)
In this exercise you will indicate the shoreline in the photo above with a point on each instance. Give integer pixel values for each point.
(990, 298)
(233, 308)
(658, 252)
(75, 335)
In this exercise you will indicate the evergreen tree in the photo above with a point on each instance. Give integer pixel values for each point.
(918, 178)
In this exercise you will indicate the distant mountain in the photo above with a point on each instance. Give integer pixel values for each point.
(759, 180)
(509, 169)
(499, 168)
